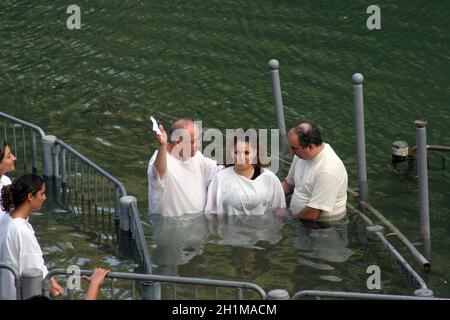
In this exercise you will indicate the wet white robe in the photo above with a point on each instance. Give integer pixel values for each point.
(230, 193)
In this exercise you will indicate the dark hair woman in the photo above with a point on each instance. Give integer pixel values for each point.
(18, 244)
(7, 160)
(245, 187)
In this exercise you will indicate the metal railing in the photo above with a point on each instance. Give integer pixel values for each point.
(85, 186)
(17, 124)
(356, 295)
(411, 274)
(149, 281)
(86, 180)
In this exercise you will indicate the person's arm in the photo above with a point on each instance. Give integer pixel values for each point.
(161, 157)
(287, 188)
(95, 280)
(308, 213)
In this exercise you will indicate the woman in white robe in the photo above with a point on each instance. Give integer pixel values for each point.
(245, 187)
(7, 160)
(18, 244)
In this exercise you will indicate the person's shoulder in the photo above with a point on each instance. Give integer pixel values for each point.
(269, 175)
(225, 172)
(5, 180)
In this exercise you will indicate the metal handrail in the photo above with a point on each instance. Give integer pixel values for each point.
(398, 257)
(93, 165)
(419, 257)
(24, 123)
(432, 148)
(160, 278)
(139, 233)
(358, 295)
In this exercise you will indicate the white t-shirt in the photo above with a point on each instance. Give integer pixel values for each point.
(320, 183)
(20, 249)
(183, 189)
(231, 193)
(4, 181)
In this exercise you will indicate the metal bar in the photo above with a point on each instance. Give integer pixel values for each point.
(276, 92)
(240, 294)
(33, 151)
(5, 134)
(103, 195)
(14, 139)
(398, 257)
(422, 172)
(112, 289)
(358, 80)
(82, 186)
(23, 123)
(16, 274)
(95, 192)
(357, 295)
(431, 148)
(24, 150)
(195, 293)
(93, 165)
(64, 168)
(89, 189)
(70, 171)
(170, 279)
(402, 261)
(417, 255)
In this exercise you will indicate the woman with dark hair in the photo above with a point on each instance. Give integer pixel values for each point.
(7, 160)
(245, 187)
(18, 244)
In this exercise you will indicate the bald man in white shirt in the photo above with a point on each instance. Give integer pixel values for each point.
(178, 174)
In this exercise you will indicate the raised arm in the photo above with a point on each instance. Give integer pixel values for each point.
(161, 157)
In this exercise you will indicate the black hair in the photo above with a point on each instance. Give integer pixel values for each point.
(17, 193)
(308, 135)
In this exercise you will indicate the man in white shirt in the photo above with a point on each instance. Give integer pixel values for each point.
(178, 174)
(317, 178)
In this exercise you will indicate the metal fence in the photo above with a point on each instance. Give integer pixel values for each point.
(26, 149)
(80, 185)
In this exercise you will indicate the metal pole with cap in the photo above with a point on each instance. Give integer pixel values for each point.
(358, 80)
(422, 172)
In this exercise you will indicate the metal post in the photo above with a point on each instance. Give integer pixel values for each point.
(31, 280)
(276, 92)
(422, 171)
(278, 294)
(117, 203)
(151, 290)
(358, 80)
(63, 169)
(48, 142)
(125, 207)
(55, 152)
(33, 151)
